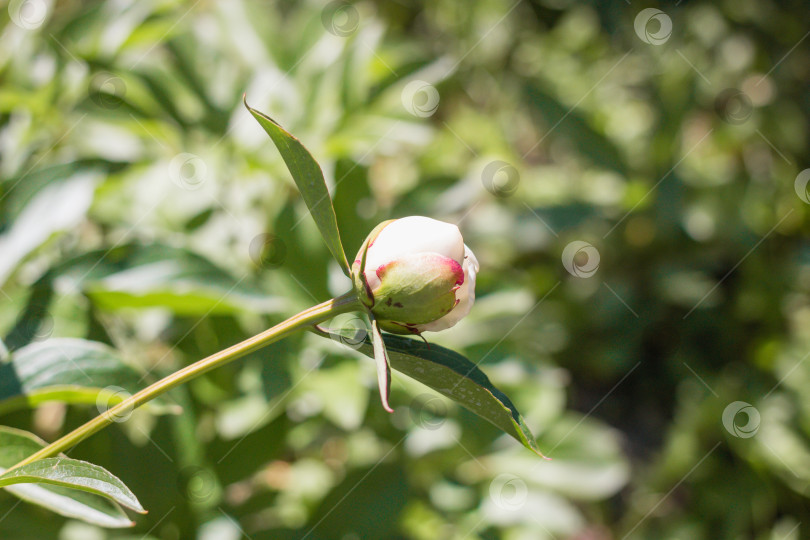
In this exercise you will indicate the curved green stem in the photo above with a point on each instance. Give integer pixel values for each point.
(308, 317)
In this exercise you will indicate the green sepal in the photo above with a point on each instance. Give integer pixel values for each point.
(359, 265)
(417, 289)
(383, 364)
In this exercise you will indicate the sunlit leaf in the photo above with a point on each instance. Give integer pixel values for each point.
(66, 486)
(76, 474)
(75, 504)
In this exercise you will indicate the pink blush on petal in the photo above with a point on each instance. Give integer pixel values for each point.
(456, 268)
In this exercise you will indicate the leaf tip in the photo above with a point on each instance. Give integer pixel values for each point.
(386, 406)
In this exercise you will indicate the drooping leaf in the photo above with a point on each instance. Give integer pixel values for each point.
(71, 488)
(455, 377)
(75, 474)
(74, 504)
(309, 178)
(383, 365)
(66, 369)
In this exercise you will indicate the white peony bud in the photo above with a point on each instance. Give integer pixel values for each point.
(419, 275)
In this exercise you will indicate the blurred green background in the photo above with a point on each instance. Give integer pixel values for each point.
(629, 178)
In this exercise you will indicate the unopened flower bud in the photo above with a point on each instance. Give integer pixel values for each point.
(418, 276)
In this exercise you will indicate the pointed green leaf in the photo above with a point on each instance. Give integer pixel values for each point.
(75, 474)
(455, 377)
(70, 370)
(74, 504)
(383, 364)
(70, 488)
(309, 178)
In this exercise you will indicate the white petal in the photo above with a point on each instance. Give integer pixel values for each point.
(465, 296)
(472, 260)
(415, 234)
